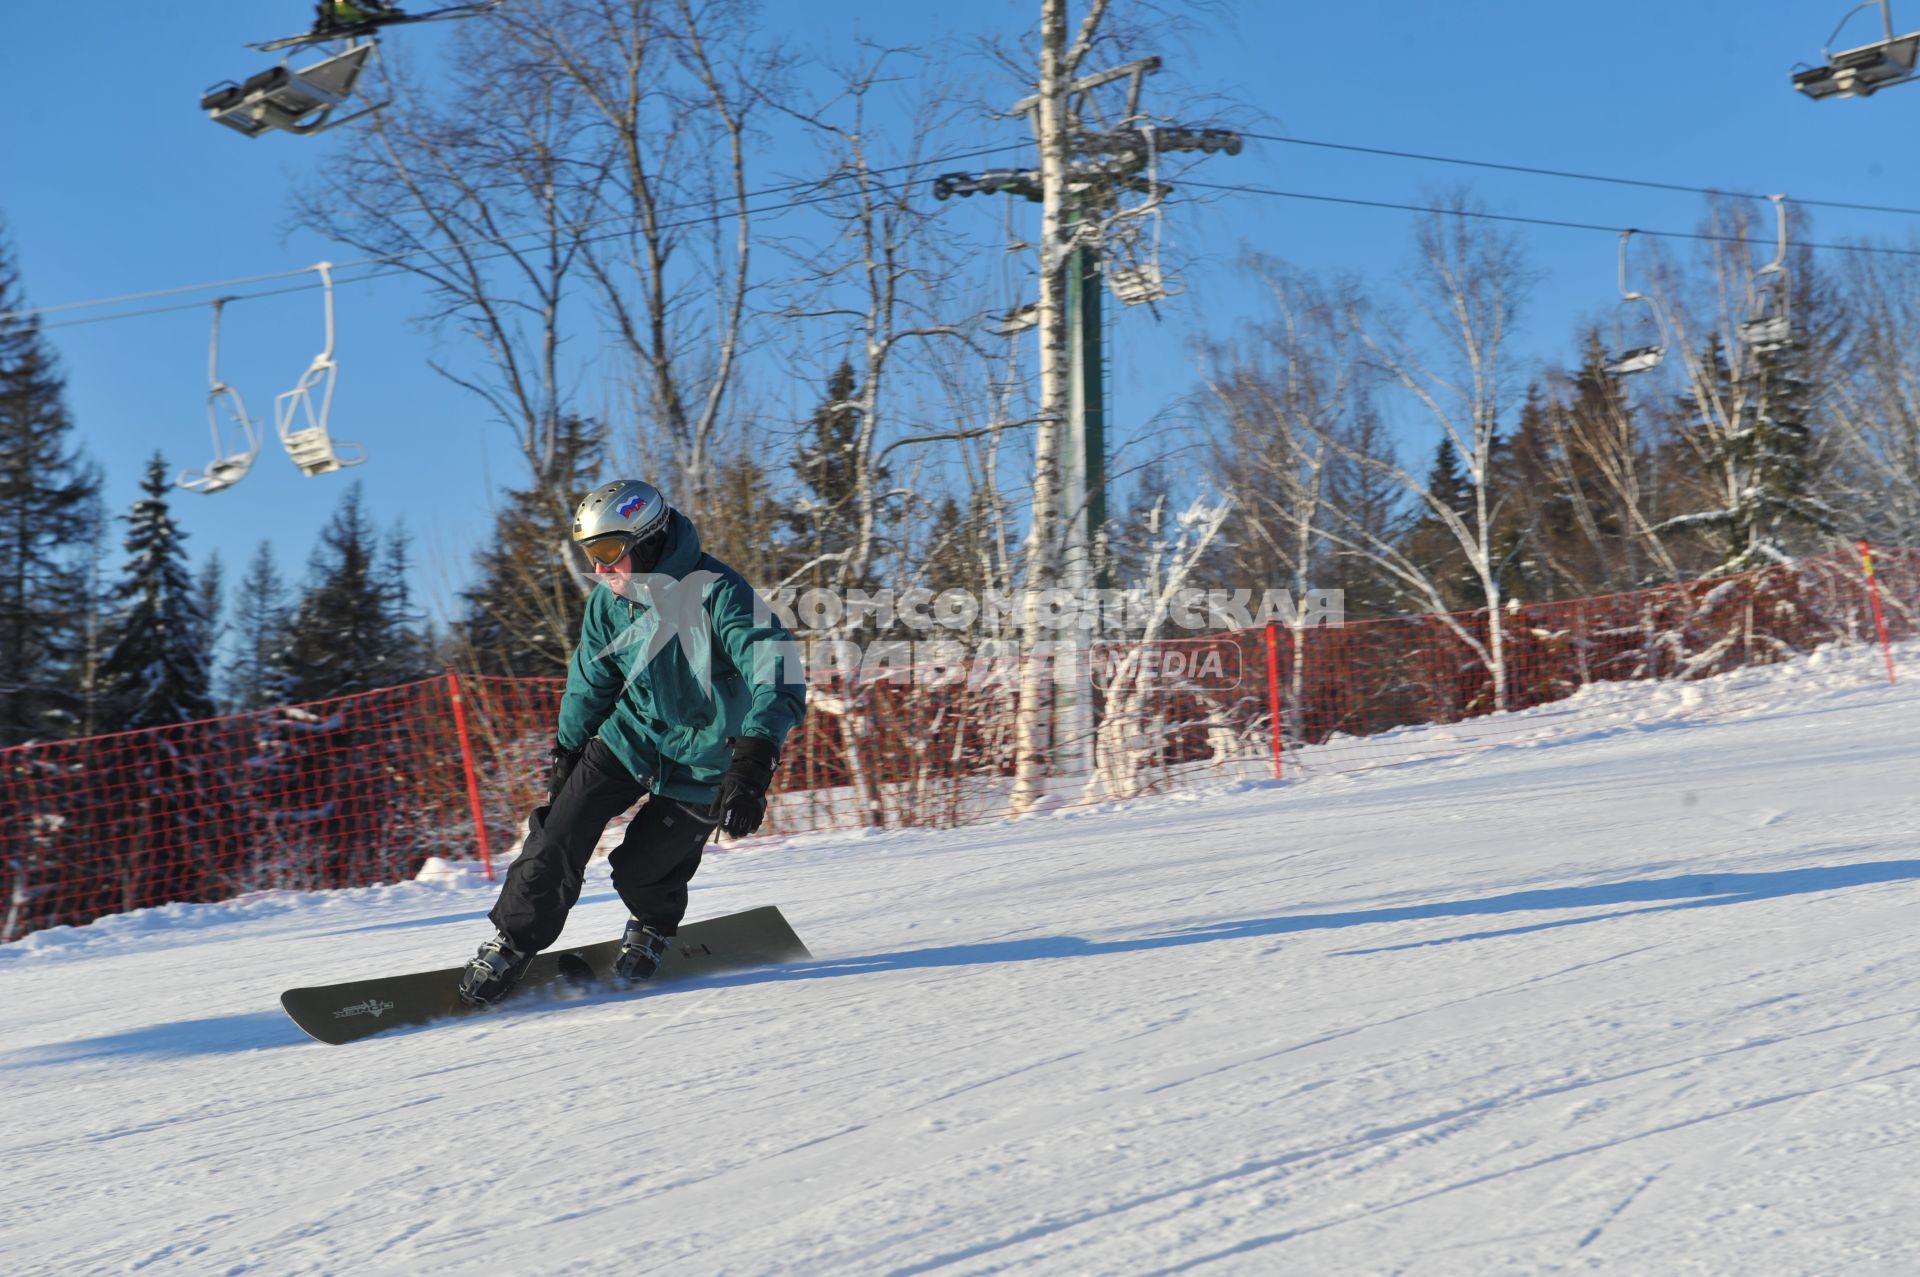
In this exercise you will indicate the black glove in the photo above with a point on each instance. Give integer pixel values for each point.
(742, 803)
(560, 763)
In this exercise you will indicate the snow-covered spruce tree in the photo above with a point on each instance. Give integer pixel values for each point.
(1750, 449)
(47, 493)
(156, 674)
(1779, 504)
(1758, 466)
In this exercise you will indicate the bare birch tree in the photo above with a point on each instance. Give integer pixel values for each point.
(583, 151)
(1132, 733)
(1299, 383)
(1058, 63)
(884, 296)
(1873, 400)
(480, 193)
(1466, 288)
(672, 89)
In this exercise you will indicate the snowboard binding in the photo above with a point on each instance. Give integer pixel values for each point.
(641, 950)
(491, 973)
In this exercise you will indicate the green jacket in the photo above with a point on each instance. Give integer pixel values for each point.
(665, 679)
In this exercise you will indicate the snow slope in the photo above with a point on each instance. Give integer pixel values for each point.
(1638, 994)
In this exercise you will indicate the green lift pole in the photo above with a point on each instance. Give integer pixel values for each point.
(1084, 494)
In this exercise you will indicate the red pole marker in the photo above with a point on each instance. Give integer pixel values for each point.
(473, 784)
(1273, 697)
(1873, 592)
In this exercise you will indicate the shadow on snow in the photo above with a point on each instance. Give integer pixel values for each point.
(1642, 896)
(213, 1035)
(258, 1030)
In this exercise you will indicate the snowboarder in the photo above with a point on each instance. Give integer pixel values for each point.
(681, 691)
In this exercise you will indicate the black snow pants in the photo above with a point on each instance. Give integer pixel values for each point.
(655, 860)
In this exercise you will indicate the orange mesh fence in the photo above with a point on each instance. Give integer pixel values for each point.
(364, 789)
(1343, 691)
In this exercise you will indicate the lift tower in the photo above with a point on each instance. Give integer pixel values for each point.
(1112, 215)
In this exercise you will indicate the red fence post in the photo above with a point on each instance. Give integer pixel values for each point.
(473, 781)
(1873, 592)
(1273, 697)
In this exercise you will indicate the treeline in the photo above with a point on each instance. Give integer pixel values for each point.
(1417, 462)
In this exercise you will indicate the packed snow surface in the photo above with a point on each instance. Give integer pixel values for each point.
(1638, 993)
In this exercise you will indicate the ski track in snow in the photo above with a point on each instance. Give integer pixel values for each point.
(1636, 993)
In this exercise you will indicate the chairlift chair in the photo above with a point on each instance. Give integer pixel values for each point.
(310, 445)
(301, 101)
(1639, 358)
(228, 466)
(1771, 325)
(1861, 72)
(1137, 284)
(1141, 281)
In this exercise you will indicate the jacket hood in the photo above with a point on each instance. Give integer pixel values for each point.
(683, 548)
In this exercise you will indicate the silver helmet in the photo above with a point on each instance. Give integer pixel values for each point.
(631, 510)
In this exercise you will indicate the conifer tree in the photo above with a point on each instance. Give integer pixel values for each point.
(1585, 481)
(209, 588)
(156, 674)
(1773, 456)
(1372, 508)
(956, 557)
(1754, 442)
(410, 654)
(48, 496)
(827, 520)
(523, 613)
(260, 624)
(346, 636)
(1432, 547)
(745, 525)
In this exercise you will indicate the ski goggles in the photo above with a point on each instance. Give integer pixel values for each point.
(609, 550)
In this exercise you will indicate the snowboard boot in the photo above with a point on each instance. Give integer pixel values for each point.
(492, 973)
(641, 949)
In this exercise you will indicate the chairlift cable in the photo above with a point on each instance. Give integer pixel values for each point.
(1387, 205)
(244, 280)
(1551, 222)
(1572, 175)
(401, 271)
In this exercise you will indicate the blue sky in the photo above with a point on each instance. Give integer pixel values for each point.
(112, 182)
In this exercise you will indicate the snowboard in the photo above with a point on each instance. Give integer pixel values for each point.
(339, 1013)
